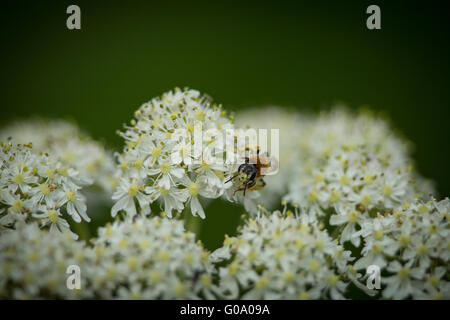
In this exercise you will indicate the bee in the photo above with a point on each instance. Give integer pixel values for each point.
(250, 174)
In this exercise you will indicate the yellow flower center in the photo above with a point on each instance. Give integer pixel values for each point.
(335, 195)
(138, 163)
(421, 250)
(188, 258)
(404, 240)
(179, 289)
(205, 166)
(233, 268)
(377, 234)
(185, 151)
(377, 248)
(312, 196)
(164, 191)
(144, 244)
(63, 171)
(368, 179)
(261, 283)
(344, 180)
(333, 279)
(190, 127)
(123, 243)
(279, 253)
(404, 272)
(164, 256)
(438, 296)
(155, 276)
(50, 173)
(44, 189)
(387, 190)
(434, 281)
(123, 165)
(17, 205)
(319, 244)
(71, 195)
(353, 216)
(132, 262)
(133, 190)
(19, 178)
(165, 167)
(200, 115)
(318, 177)
(314, 265)
(193, 189)
(365, 200)
(288, 276)
(299, 243)
(156, 152)
(206, 280)
(303, 296)
(156, 122)
(53, 216)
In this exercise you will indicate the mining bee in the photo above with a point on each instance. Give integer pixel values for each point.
(250, 174)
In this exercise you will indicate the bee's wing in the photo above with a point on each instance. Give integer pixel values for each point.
(269, 164)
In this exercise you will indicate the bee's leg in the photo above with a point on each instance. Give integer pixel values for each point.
(245, 188)
(239, 189)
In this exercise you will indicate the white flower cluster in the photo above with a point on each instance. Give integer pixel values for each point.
(349, 178)
(33, 263)
(36, 187)
(150, 258)
(282, 256)
(156, 164)
(411, 244)
(347, 160)
(69, 145)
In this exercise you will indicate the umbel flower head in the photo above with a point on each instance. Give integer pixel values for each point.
(36, 187)
(348, 161)
(69, 145)
(34, 262)
(171, 155)
(411, 244)
(282, 256)
(149, 258)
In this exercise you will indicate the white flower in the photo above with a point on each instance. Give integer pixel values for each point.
(53, 218)
(401, 285)
(351, 218)
(125, 195)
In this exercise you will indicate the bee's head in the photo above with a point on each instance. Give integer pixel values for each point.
(246, 172)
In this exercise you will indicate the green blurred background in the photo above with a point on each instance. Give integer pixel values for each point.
(304, 55)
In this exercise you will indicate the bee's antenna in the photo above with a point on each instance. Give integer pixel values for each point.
(231, 178)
